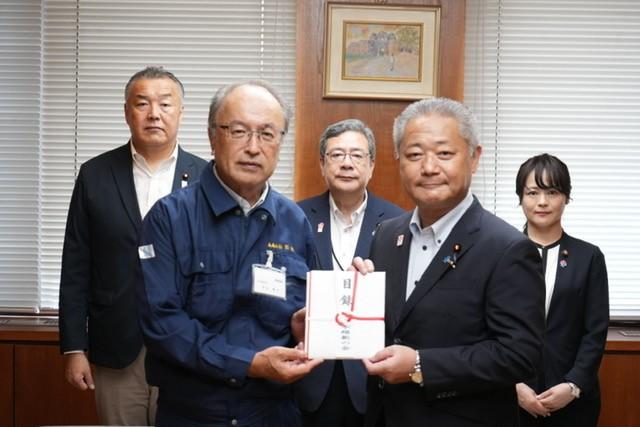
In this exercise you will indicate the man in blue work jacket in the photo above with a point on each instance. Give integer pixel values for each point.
(224, 264)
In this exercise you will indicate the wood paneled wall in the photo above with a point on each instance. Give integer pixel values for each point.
(33, 389)
(620, 382)
(42, 395)
(314, 114)
(6, 384)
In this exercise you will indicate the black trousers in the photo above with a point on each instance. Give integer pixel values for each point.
(336, 410)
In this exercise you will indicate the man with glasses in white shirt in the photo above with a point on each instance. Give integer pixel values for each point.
(343, 220)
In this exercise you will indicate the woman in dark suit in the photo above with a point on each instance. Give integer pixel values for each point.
(566, 391)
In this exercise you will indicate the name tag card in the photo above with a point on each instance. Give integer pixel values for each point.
(269, 281)
(345, 314)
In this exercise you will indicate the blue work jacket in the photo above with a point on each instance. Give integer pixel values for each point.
(201, 322)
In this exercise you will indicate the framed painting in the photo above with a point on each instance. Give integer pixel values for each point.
(381, 51)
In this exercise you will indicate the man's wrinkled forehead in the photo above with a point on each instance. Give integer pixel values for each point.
(254, 101)
(171, 88)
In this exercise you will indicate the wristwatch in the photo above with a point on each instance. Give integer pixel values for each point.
(416, 374)
(575, 390)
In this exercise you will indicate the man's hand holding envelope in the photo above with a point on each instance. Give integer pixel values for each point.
(345, 313)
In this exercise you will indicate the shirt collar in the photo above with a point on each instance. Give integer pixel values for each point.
(549, 246)
(139, 159)
(241, 201)
(442, 227)
(355, 215)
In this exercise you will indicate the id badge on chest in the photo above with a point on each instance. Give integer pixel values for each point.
(268, 280)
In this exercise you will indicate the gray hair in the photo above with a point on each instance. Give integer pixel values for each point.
(443, 107)
(222, 93)
(152, 73)
(343, 126)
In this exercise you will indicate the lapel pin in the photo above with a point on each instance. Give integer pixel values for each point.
(563, 261)
(320, 227)
(400, 240)
(185, 180)
(451, 259)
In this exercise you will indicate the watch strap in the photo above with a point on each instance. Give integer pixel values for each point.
(575, 390)
(416, 374)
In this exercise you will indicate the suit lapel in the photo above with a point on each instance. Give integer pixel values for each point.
(321, 224)
(185, 167)
(562, 273)
(399, 257)
(372, 215)
(461, 234)
(122, 170)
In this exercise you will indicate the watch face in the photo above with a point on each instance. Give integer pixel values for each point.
(574, 390)
(416, 377)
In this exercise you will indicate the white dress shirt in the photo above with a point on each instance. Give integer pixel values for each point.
(152, 185)
(549, 254)
(345, 231)
(426, 242)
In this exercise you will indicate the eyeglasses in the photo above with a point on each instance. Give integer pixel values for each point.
(357, 157)
(239, 132)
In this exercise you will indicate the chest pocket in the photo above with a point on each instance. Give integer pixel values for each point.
(209, 292)
(275, 313)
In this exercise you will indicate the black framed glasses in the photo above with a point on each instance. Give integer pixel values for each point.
(241, 133)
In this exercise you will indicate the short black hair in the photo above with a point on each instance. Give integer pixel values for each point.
(152, 73)
(549, 172)
(348, 125)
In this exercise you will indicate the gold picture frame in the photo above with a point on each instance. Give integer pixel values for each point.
(381, 51)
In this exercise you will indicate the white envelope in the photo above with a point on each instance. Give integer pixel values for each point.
(345, 314)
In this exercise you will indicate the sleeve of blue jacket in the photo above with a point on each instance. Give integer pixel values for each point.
(170, 333)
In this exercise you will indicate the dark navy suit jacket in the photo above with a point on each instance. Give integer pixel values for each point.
(311, 390)
(478, 327)
(577, 324)
(100, 258)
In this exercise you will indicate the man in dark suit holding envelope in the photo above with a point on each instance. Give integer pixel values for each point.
(464, 290)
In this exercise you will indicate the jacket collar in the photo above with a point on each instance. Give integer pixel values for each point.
(221, 201)
(460, 240)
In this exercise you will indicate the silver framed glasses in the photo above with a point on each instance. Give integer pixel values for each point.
(241, 133)
(338, 157)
